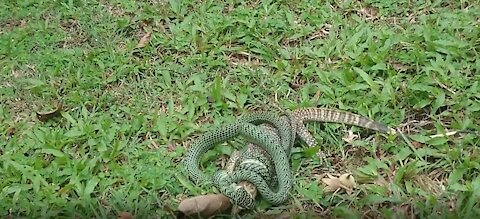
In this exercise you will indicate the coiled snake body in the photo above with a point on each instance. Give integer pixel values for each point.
(264, 162)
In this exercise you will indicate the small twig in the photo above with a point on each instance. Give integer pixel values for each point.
(444, 86)
(153, 145)
(444, 135)
(409, 144)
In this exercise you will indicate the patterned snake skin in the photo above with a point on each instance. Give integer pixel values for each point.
(264, 164)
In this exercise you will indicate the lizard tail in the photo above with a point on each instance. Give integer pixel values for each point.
(337, 116)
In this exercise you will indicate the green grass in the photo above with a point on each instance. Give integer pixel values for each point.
(130, 113)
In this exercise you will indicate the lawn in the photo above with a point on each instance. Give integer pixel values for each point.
(137, 81)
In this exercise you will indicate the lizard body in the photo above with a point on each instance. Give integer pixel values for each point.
(258, 161)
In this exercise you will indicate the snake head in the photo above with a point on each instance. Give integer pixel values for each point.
(243, 199)
(236, 193)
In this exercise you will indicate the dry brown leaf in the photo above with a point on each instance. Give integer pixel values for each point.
(124, 215)
(344, 182)
(204, 205)
(45, 116)
(144, 40)
(347, 180)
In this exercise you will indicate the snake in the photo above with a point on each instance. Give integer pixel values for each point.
(264, 162)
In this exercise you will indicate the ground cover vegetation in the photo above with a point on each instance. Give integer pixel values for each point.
(138, 80)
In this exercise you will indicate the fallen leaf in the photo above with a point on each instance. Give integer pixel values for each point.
(204, 205)
(347, 180)
(144, 40)
(344, 182)
(45, 116)
(124, 215)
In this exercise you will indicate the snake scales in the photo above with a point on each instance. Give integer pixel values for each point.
(264, 163)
